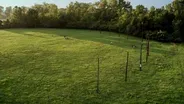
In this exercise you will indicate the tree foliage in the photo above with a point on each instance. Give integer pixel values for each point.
(162, 24)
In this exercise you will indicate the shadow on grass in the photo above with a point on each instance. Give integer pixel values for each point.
(104, 37)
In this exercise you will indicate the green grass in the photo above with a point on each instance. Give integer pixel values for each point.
(38, 66)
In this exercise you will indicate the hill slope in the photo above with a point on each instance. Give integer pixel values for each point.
(40, 66)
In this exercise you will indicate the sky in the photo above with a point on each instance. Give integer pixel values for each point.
(64, 3)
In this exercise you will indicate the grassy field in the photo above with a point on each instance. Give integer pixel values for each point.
(39, 66)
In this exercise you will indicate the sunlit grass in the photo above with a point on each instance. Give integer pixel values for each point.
(40, 66)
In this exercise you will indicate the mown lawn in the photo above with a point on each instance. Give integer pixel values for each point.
(39, 66)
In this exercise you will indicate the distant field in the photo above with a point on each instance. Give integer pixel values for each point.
(40, 66)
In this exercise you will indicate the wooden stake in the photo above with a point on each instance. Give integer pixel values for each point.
(141, 48)
(98, 77)
(148, 46)
(126, 70)
(141, 57)
(147, 55)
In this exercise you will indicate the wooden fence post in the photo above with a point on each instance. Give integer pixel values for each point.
(141, 46)
(126, 70)
(148, 49)
(98, 77)
(141, 57)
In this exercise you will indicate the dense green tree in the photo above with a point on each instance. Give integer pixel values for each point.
(47, 14)
(1, 24)
(8, 11)
(178, 23)
(62, 18)
(32, 18)
(18, 17)
(1, 12)
(7, 24)
(163, 24)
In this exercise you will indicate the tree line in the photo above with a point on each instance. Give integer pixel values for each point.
(162, 24)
